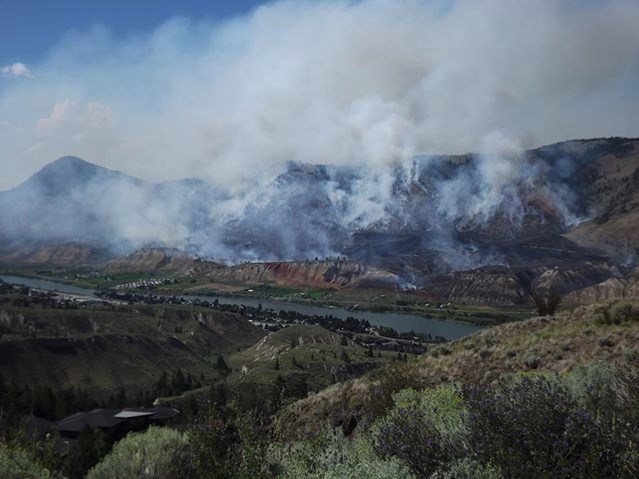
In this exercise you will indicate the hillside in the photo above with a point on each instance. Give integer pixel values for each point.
(297, 361)
(555, 344)
(316, 273)
(97, 348)
(61, 255)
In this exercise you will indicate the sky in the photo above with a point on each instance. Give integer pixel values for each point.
(232, 91)
(28, 28)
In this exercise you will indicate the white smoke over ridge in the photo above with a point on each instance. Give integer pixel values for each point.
(362, 86)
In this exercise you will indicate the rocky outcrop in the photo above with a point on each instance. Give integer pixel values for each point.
(609, 290)
(505, 286)
(323, 274)
(152, 260)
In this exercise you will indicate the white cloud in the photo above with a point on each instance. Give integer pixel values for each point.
(58, 115)
(16, 70)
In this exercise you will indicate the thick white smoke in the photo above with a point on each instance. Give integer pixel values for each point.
(337, 82)
(366, 85)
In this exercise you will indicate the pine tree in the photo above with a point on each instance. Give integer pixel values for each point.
(345, 357)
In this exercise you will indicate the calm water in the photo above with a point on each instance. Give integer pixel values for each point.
(397, 321)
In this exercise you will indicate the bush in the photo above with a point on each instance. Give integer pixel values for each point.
(469, 469)
(16, 463)
(410, 435)
(581, 425)
(331, 456)
(618, 312)
(534, 427)
(425, 429)
(445, 407)
(158, 453)
(231, 445)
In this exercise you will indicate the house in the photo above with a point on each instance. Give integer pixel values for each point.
(116, 422)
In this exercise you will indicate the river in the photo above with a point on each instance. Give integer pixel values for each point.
(400, 322)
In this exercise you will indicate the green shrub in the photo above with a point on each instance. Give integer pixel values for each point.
(543, 425)
(16, 463)
(231, 444)
(469, 469)
(618, 312)
(445, 407)
(331, 456)
(158, 453)
(534, 427)
(387, 381)
(425, 429)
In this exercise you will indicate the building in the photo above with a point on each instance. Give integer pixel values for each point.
(116, 422)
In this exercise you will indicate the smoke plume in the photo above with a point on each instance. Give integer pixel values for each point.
(371, 89)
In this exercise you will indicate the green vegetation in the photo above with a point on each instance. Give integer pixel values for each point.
(301, 359)
(510, 401)
(332, 456)
(618, 312)
(17, 463)
(582, 424)
(578, 425)
(158, 453)
(100, 346)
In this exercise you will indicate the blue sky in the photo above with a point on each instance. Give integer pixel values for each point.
(28, 28)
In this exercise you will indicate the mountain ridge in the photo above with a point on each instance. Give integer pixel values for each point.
(573, 205)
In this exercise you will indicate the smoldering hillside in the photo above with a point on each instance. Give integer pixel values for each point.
(317, 129)
(444, 213)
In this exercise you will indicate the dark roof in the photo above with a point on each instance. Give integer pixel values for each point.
(163, 413)
(110, 418)
(103, 418)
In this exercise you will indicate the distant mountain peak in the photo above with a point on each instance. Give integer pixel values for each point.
(70, 164)
(66, 173)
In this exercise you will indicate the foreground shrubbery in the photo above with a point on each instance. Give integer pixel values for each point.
(618, 312)
(579, 425)
(159, 453)
(332, 456)
(16, 463)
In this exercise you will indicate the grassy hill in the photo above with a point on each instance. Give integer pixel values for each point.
(100, 347)
(299, 360)
(553, 344)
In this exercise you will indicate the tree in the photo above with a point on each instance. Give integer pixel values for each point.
(345, 357)
(222, 366)
(234, 446)
(545, 293)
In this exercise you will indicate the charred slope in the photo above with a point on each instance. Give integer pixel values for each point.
(505, 286)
